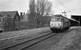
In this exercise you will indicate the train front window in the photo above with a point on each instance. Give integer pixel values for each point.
(55, 19)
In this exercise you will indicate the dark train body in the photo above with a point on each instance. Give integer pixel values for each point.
(59, 23)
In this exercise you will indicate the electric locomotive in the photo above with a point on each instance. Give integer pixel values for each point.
(59, 23)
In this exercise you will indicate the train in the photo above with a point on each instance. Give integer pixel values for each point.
(59, 23)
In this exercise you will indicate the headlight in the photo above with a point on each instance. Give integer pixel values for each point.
(55, 24)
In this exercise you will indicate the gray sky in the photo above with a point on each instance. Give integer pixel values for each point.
(22, 5)
(68, 5)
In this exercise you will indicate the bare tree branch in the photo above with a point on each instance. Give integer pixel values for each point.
(38, 9)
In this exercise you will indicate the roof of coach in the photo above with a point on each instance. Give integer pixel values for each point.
(59, 15)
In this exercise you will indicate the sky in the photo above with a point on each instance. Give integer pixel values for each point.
(12, 5)
(71, 6)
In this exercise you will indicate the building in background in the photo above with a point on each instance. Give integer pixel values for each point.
(8, 20)
(77, 18)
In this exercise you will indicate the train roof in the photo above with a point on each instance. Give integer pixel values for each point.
(59, 15)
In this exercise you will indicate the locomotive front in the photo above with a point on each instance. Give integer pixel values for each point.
(59, 23)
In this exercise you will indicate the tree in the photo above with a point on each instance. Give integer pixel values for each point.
(32, 11)
(43, 7)
(32, 6)
(38, 9)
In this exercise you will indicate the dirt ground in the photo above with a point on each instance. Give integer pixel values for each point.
(63, 41)
(70, 40)
(75, 42)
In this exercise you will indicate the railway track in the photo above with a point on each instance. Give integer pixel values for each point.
(32, 42)
(29, 43)
(45, 38)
